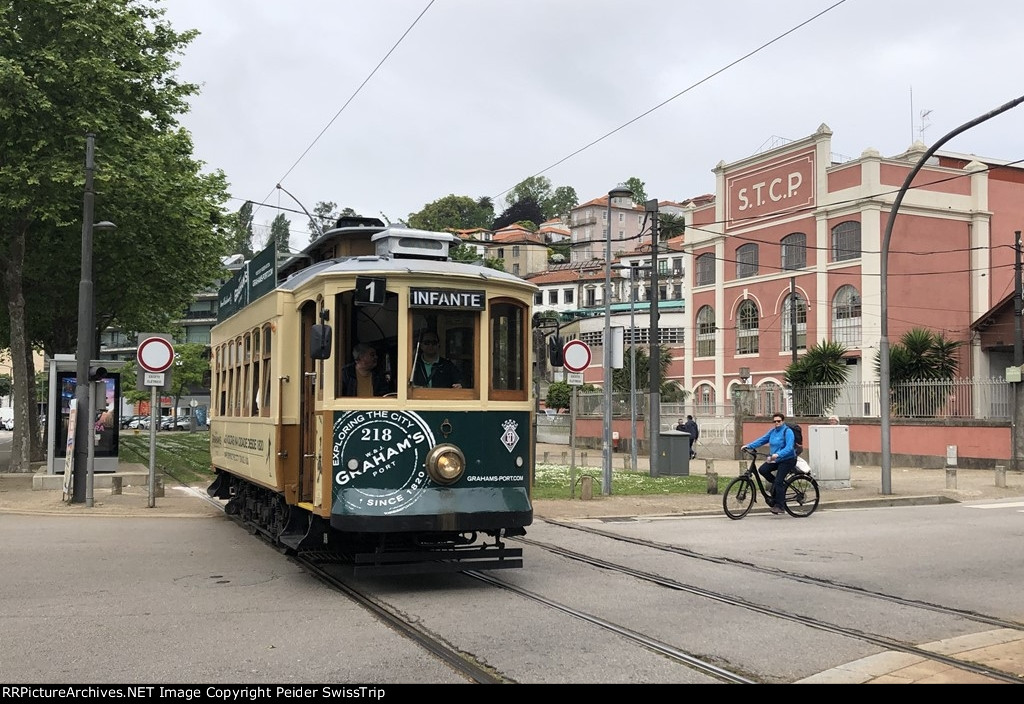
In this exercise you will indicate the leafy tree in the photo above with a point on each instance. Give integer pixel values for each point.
(535, 188)
(823, 365)
(638, 187)
(669, 390)
(324, 216)
(240, 232)
(561, 202)
(559, 394)
(280, 234)
(453, 213)
(464, 253)
(190, 366)
(106, 66)
(560, 248)
(6, 385)
(522, 210)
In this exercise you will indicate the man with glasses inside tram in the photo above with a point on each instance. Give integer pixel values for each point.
(432, 370)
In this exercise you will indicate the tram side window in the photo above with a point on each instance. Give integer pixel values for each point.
(509, 334)
(264, 404)
(444, 344)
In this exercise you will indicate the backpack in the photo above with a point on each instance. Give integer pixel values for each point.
(798, 437)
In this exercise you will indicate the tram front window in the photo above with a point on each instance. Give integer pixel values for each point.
(443, 351)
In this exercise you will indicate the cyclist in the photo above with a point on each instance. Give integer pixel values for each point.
(781, 460)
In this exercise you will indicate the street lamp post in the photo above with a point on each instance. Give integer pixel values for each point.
(632, 273)
(620, 191)
(84, 422)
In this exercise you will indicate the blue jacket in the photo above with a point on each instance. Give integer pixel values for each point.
(780, 439)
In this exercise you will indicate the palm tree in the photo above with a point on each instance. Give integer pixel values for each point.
(920, 356)
(822, 365)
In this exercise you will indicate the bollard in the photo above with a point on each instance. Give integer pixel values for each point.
(712, 483)
(1000, 476)
(565, 456)
(158, 489)
(586, 487)
(951, 477)
(115, 486)
(545, 457)
(583, 459)
(625, 463)
(709, 466)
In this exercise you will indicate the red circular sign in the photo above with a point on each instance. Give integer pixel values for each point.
(155, 354)
(576, 355)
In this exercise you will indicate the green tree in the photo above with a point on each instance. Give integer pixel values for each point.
(188, 371)
(70, 67)
(240, 230)
(638, 187)
(670, 390)
(561, 202)
(535, 188)
(280, 234)
(6, 384)
(560, 394)
(453, 213)
(921, 356)
(670, 226)
(525, 210)
(823, 365)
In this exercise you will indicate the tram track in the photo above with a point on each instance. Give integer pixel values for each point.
(775, 611)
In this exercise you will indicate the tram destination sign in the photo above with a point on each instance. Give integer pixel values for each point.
(452, 299)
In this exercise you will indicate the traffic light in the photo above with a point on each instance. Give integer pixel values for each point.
(97, 373)
(555, 345)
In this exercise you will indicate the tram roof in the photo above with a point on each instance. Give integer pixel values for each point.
(376, 264)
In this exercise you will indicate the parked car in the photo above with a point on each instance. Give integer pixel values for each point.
(9, 424)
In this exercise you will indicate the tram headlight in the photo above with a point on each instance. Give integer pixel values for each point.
(446, 464)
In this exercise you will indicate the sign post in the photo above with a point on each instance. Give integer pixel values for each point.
(576, 356)
(155, 356)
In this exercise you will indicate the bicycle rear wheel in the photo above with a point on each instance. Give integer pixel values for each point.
(738, 497)
(801, 495)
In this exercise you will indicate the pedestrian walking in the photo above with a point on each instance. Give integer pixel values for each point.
(690, 426)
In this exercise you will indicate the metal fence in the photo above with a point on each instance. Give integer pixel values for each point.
(952, 398)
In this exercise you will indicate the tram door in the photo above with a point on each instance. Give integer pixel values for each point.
(308, 418)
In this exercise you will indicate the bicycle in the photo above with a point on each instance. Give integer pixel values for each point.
(801, 496)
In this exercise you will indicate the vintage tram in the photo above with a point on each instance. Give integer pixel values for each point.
(376, 464)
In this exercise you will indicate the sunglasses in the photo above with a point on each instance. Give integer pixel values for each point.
(775, 420)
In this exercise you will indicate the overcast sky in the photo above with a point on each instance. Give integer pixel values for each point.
(480, 94)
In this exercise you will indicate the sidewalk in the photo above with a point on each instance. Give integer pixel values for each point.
(908, 486)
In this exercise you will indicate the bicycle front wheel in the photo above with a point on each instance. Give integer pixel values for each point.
(738, 497)
(801, 495)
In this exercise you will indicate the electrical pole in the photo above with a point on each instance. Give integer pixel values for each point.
(651, 206)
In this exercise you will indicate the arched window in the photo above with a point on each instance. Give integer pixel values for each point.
(846, 241)
(747, 328)
(706, 332)
(787, 323)
(769, 398)
(794, 251)
(705, 270)
(846, 320)
(705, 397)
(746, 261)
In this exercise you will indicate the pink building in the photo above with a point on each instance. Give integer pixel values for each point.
(794, 232)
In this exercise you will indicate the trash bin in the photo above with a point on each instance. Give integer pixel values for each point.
(673, 455)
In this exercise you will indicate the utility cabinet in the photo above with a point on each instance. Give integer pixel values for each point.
(829, 455)
(673, 455)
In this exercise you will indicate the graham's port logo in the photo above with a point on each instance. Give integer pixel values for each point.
(510, 438)
(378, 459)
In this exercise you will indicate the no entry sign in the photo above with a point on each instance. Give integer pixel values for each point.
(576, 356)
(155, 355)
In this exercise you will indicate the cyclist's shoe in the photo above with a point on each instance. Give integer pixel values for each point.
(776, 510)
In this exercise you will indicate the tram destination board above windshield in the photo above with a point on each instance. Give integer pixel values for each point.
(453, 299)
(370, 290)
